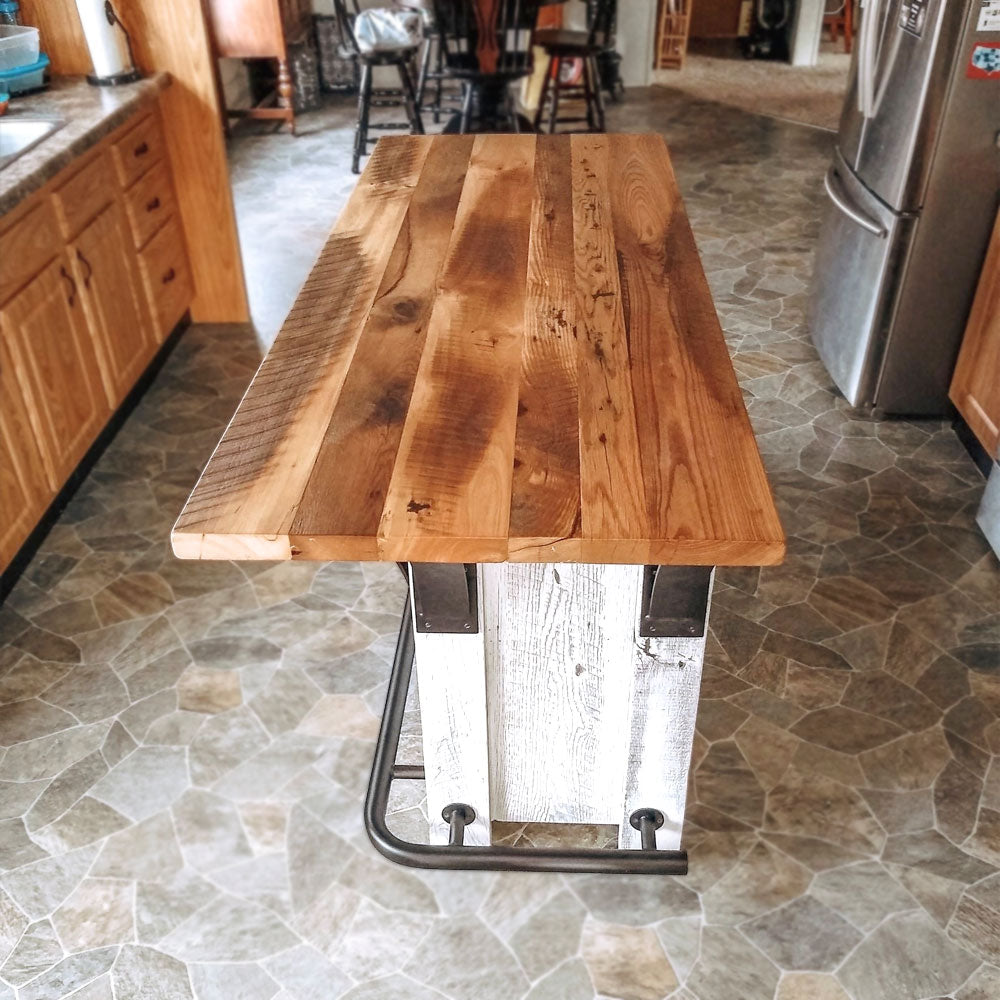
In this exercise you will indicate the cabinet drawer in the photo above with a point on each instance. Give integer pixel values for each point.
(84, 195)
(27, 246)
(138, 150)
(149, 203)
(167, 277)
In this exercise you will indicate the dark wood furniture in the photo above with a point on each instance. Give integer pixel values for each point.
(261, 29)
(563, 45)
(487, 46)
(370, 96)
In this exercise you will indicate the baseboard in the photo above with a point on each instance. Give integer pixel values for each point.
(977, 452)
(12, 573)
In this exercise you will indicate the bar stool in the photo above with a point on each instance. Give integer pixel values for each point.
(563, 45)
(433, 69)
(369, 96)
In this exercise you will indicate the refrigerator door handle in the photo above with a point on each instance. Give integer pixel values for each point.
(854, 214)
(866, 57)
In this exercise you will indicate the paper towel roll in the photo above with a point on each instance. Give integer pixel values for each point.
(107, 44)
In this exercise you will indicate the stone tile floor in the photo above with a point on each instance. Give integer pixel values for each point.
(185, 746)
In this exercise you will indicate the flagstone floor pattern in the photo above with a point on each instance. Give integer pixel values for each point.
(184, 747)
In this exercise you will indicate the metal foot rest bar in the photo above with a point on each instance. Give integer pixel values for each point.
(455, 855)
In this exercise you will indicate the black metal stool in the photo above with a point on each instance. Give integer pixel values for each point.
(368, 96)
(587, 46)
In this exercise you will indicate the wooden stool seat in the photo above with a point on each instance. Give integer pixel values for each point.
(562, 41)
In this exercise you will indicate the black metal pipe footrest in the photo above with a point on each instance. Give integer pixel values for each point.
(456, 855)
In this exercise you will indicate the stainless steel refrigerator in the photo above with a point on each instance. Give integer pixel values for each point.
(913, 192)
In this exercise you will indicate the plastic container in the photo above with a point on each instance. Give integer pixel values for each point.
(18, 46)
(9, 12)
(24, 78)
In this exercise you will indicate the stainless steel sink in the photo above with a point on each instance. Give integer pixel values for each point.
(20, 133)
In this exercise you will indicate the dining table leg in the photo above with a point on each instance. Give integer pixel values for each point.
(559, 693)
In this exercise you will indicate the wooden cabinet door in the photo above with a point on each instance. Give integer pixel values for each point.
(25, 491)
(975, 387)
(107, 273)
(55, 365)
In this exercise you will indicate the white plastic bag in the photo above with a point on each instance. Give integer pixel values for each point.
(380, 29)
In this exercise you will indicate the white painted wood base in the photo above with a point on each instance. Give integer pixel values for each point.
(558, 711)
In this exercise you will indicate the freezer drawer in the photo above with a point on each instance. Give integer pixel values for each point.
(861, 246)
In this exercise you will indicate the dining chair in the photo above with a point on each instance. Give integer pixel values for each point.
(487, 45)
(371, 97)
(563, 46)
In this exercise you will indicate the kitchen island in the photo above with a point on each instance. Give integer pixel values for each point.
(506, 371)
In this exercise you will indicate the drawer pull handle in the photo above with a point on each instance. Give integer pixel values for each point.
(152, 205)
(90, 270)
(169, 276)
(71, 298)
(141, 150)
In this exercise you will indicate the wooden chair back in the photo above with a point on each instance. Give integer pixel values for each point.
(487, 37)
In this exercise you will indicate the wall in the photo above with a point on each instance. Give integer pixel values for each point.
(636, 40)
(806, 32)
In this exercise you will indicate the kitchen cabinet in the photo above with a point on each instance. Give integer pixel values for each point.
(107, 273)
(95, 275)
(24, 486)
(54, 355)
(975, 386)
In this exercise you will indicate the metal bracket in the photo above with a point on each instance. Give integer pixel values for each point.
(674, 601)
(446, 597)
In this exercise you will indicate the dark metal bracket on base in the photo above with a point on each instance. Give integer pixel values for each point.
(674, 601)
(446, 597)
(456, 855)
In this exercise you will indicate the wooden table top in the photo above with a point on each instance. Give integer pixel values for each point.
(507, 350)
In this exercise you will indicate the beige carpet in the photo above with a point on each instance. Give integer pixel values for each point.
(811, 95)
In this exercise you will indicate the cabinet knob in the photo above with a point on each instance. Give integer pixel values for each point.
(152, 205)
(169, 276)
(141, 150)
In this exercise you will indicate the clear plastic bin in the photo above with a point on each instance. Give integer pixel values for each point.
(18, 46)
(25, 78)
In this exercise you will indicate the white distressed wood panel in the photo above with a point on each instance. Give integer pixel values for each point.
(664, 704)
(451, 686)
(559, 664)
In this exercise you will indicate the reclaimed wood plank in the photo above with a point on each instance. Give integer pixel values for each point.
(248, 495)
(694, 437)
(559, 652)
(449, 498)
(545, 492)
(342, 502)
(613, 505)
(451, 685)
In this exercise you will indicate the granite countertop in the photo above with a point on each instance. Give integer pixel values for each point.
(90, 114)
